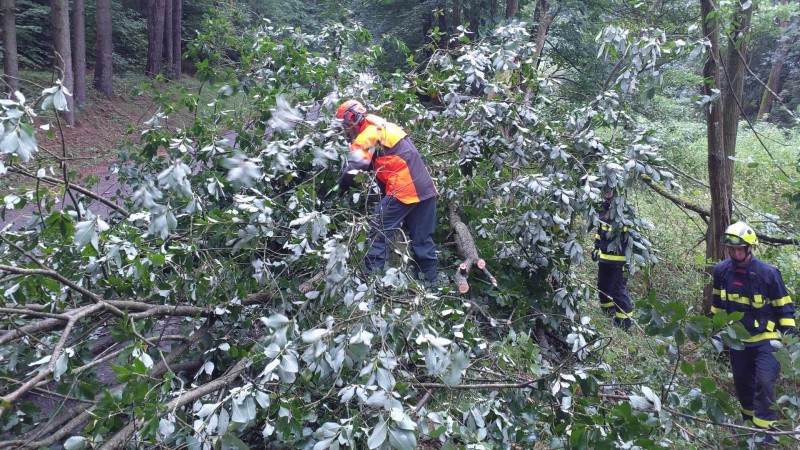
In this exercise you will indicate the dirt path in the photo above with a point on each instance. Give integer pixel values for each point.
(108, 187)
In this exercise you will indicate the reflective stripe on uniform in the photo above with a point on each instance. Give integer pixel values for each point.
(782, 301)
(763, 423)
(609, 257)
(762, 336)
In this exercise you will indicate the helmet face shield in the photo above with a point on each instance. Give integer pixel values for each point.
(731, 240)
(739, 234)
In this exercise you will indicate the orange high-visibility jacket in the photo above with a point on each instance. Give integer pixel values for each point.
(385, 148)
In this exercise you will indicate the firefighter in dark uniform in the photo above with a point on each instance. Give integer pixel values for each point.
(409, 194)
(609, 252)
(744, 283)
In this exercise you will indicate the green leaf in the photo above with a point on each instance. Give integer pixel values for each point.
(157, 259)
(402, 439)
(84, 233)
(378, 435)
(707, 385)
(687, 368)
(75, 443)
(232, 441)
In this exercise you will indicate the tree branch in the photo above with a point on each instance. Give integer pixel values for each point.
(704, 214)
(70, 186)
(118, 440)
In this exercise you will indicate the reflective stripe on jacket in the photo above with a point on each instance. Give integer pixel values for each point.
(385, 148)
(757, 290)
(610, 250)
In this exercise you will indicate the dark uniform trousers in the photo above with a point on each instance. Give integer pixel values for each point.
(613, 293)
(755, 371)
(420, 221)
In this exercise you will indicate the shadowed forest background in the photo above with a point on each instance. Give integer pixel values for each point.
(175, 271)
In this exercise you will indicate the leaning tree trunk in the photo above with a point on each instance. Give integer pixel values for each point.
(79, 52)
(63, 53)
(103, 66)
(773, 86)
(718, 175)
(10, 57)
(734, 69)
(155, 37)
(543, 20)
(177, 11)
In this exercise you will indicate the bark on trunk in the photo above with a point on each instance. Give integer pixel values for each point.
(427, 23)
(718, 176)
(63, 53)
(155, 37)
(543, 19)
(103, 66)
(168, 36)
(455, 18)
(734, 69)
(177, 11)
(79, 52)
(512, 8)
(10, 56)
(773, 86)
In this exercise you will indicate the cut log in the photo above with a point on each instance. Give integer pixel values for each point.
(465, 245)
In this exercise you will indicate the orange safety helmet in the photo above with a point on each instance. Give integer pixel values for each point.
(351, 111)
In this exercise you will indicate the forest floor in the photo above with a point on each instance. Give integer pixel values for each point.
(89, 148)
(100, 128)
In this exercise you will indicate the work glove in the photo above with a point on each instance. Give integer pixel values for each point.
(596, 254)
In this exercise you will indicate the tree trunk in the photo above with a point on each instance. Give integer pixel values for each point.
(168, 36)
(63, 53)
(512, 8)
(103, 65)
(427, 23)
(456, 14)
(774, 80)
(443, 19)
(177, 11)
(543, 19)
(155, 37)
(718, 175)
(79, 52)
(10, 57)
(734, 69)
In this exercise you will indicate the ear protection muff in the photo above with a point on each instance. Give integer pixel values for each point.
(353, 116)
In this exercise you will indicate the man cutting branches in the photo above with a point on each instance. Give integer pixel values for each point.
(409, 194)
